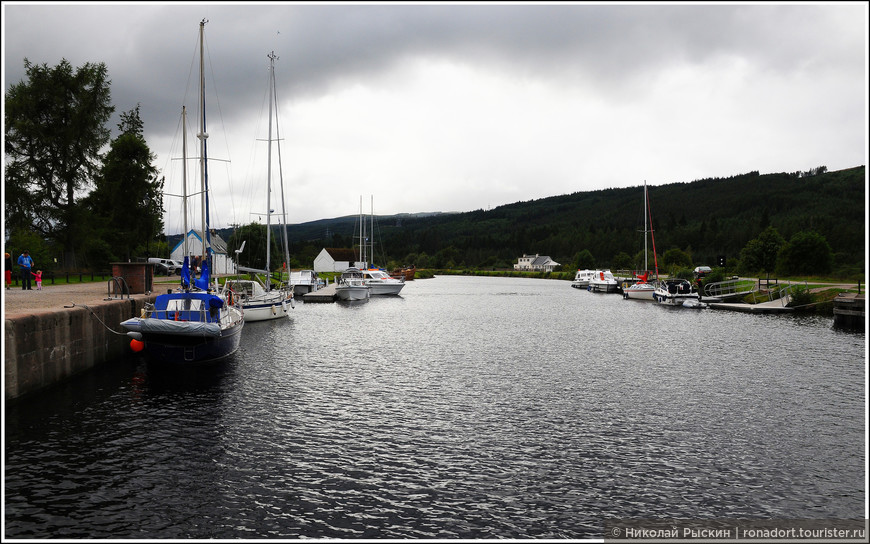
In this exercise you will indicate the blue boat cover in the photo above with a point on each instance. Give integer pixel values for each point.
(202, 282)
(185, 273)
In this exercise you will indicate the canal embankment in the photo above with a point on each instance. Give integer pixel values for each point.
(52, 334)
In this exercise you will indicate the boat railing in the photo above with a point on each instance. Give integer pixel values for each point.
(202, 316)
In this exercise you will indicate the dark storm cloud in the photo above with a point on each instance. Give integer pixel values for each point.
(653, 79)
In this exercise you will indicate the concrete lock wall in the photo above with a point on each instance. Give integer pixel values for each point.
(43, 349)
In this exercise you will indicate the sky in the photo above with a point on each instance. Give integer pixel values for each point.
(421, 107)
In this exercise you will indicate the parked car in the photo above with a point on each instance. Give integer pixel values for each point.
(702, 271)
(165, 267)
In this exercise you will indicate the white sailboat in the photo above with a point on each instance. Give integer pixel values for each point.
(643, 289)
(260, 300)
(198, 323)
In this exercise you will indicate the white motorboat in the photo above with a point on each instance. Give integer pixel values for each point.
(675, 292)
(382, 283)
(304, 281)
(351, 285)
(603, 282)
(582, 279)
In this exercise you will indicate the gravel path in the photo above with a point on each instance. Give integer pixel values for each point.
(17, 301)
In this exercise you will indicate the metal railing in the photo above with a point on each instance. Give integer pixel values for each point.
(116, 288)
(730, 288)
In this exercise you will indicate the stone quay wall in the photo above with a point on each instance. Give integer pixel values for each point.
(44, 348)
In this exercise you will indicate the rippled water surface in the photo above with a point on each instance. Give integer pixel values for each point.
(466, 408)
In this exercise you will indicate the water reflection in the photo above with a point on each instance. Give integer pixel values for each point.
(467, 408)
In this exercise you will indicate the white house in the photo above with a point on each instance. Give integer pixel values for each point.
(221, 263)
(333, 259)
(536, 262)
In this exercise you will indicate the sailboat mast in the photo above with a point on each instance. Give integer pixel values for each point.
(362, 234)
(203, 135)
(281, 179)
(269, 174)
(184, 176)
(372, 229)
(653, 235)
(645, 230)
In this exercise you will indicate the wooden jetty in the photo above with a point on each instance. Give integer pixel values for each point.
(771, 307)
(324, 294)
(849, 310)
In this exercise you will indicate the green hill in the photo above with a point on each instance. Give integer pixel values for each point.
(706, 218)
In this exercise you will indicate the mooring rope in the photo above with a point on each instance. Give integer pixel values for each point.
(97, 318)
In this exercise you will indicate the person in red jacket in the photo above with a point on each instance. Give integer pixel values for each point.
(7, 267)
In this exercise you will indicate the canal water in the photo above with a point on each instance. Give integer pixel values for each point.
(467, 408)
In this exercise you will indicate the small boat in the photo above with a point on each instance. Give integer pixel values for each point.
(351, 285)
(381, 283)
(603, 282)
(582, 279)
(407, 273)
(695, 304)
(675, 292)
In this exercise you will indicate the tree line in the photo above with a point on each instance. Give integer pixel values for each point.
(71, 205)
(816, 218)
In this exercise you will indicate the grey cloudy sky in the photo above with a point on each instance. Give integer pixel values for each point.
(458, 107)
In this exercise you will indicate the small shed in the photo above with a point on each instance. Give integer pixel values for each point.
(333, 259)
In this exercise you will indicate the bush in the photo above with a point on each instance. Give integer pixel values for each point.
(801, 296)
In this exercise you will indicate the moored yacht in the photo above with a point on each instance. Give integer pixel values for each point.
(304, 281)
(641, 290)
(260, 304)
(351, 286)
(382, 283)
(198, 323)
(603, 282)
(582, 279)
(675, 292)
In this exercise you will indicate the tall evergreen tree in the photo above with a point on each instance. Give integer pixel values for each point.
(127, 204)
(55, 128)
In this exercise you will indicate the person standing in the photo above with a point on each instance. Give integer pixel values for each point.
(38, 277)
(26, 264)
(7, 267)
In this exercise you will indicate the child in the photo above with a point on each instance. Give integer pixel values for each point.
(7, 265)
(38, 280)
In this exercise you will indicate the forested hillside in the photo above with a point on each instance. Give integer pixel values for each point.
(705, 219)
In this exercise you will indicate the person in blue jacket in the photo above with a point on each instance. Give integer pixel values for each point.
(26, 263)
